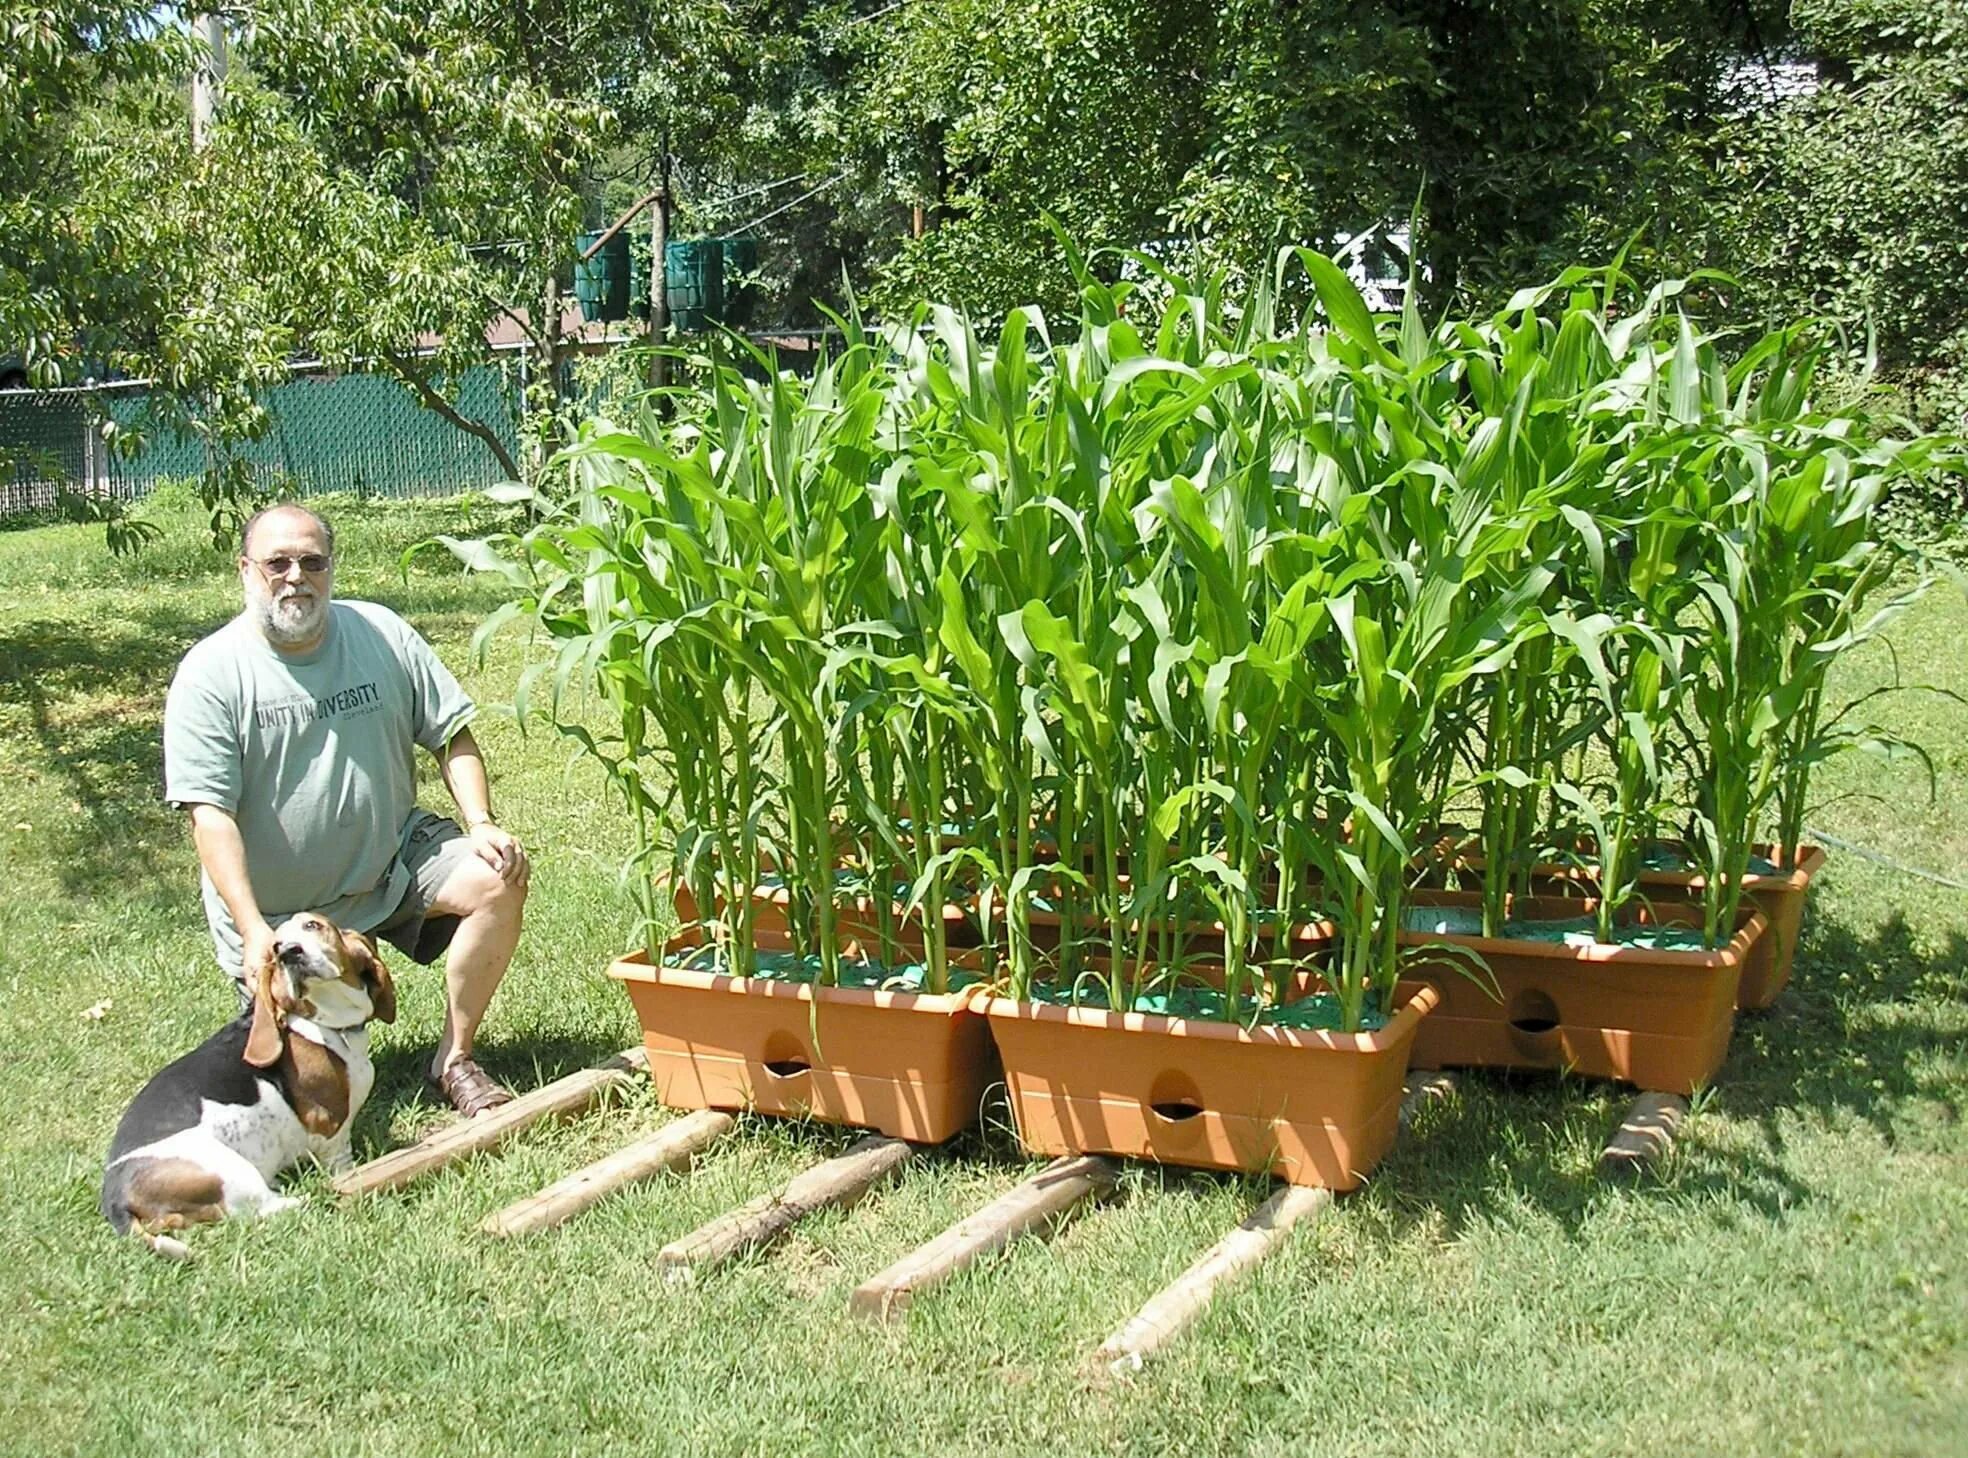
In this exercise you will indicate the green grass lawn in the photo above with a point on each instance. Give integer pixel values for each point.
(1794, 1281)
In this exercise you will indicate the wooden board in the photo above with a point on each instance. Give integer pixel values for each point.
(1170, 1312)
(671, 1147)
(840, 1181)
(1645, 1136)
(564, 1096)
(1038, 1204)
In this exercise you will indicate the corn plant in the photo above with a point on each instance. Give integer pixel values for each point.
(1185, 612)
(1785, 495)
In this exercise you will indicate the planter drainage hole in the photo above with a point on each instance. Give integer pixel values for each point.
(1532, 1012)
(1534, 1026)
(1174, 1098)
(784, 1056)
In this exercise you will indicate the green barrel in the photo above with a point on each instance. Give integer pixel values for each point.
(695, 270)
(601, 283)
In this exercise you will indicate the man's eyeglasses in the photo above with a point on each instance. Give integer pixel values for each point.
(312, 564)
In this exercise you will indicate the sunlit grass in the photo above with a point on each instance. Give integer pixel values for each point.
(1792, 1284)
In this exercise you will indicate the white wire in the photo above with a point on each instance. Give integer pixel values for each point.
(768, 217)
(722, 202)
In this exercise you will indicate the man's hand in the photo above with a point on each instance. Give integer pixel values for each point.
(223, 855)
(499, 850)
(256, 940)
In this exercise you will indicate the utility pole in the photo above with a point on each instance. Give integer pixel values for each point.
(659, 269)
(657, 200)
(206, 78)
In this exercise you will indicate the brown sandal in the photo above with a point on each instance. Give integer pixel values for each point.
(469, 1089)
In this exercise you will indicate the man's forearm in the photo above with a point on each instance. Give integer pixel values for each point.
(222, 852)
(464, 776)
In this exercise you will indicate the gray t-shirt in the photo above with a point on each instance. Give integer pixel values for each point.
(314, 757)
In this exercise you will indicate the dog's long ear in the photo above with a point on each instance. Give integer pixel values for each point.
(264, 1042)
(382, 990)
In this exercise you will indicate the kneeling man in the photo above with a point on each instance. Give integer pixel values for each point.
(290, 735)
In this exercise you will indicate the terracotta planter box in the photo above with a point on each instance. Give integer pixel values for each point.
(1313, 1108)
(1658, 1019)
(1780, 897)
(1781, 900)
(912, 1065)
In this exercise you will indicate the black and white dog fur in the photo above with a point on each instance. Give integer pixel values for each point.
(205, 1138)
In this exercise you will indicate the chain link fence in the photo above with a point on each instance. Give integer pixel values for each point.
(361, 433)
(345, 432)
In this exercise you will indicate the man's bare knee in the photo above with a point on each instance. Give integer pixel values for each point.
(475, 887)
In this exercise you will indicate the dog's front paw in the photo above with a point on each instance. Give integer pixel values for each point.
(280, 1205)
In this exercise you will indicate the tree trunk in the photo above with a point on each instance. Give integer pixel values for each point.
(410, 371)
(549, 390)
(659, 277)
(206, 75)
(1439, 246)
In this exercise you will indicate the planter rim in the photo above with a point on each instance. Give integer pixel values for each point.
(782, 895)
(1810, 860)
(1305, 933)
(637, 967)
(1420, 999)
(1750, 925)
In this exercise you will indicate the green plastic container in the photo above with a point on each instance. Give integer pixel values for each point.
(601, 283)
(704, 288)
(695, 269)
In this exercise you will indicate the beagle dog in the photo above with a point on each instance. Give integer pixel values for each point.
(206, 1136)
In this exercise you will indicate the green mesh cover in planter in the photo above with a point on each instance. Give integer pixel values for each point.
(601, 283)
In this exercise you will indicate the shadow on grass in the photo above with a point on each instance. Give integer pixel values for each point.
(1865, 1034)
(525, 1063)
(1508, 1145)
(521, 1064)
(93, 694)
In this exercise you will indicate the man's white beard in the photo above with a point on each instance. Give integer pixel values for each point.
(287, 616)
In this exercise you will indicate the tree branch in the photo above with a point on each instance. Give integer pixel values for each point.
(622, 222)
(432, 400)
(538, 339)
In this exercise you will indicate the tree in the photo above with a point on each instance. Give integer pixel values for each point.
(1527, 133)
(105, 267)
(70, 65)
(1851, 199)
(1310, 123)
(991, 117)
(459, 134)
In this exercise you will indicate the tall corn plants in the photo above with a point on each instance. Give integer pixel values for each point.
(1782, 494)
(1185, 611)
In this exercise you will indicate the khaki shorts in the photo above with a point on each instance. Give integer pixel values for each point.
(432, 851)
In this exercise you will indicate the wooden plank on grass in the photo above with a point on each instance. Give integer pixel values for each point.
(1425, 1089)
(1645, 1135)
(671, 1147)
(840, 1181)
(1169, 1313)
(562, 1097)
(1038, 1204)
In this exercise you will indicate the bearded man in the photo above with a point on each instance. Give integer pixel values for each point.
(289, 738)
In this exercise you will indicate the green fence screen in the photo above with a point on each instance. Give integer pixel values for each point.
(347, 432)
